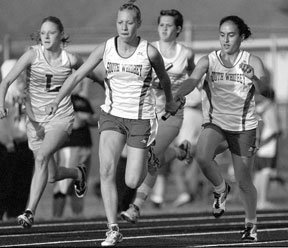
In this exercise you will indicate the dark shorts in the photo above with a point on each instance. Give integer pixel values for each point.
(139, 133)
(242, 143)
(261, 163)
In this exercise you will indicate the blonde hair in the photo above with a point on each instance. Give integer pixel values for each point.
(131, 6)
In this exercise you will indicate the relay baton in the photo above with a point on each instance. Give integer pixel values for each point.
(181, 104)
(168, 66)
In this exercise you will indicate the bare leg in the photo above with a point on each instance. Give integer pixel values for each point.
(166, 134)
(207, 144)
(243, 167)
(50, 144)
(111, 145)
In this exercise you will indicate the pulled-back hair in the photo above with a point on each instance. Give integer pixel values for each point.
(131, 6)
(36, 36)
(242, 26)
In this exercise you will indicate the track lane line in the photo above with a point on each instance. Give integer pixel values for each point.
(137, 228)
(76, 223)
(157, 237)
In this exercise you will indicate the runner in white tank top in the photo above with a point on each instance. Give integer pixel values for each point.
(43, 83)
(228, 96)
(178, 68)
(47, 66)
(232, 76)
(128, 114)
(179, 63)
(134, 71)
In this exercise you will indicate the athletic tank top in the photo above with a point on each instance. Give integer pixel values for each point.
(228, 96)
(128, 82)
(176, 68)
(43, 84)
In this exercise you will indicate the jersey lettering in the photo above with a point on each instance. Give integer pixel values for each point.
(49, 83)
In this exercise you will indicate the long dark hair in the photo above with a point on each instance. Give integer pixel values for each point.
(242, 26)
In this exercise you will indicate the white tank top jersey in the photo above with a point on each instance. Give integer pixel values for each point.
(177, 69)
(128, 82)
(228, 96)
(43, 84)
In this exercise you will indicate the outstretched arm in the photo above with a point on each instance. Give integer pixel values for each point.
(159, 68)
(77, 61)
(189, 84)
(24, 61)
(191, 61)
(93, 60)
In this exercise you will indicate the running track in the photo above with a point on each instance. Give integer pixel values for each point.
(181, 230)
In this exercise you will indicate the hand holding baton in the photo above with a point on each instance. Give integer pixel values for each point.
(181, 104)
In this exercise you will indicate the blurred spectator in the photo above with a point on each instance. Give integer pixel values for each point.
(266, 156)
(16, 159)
(77, 150)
